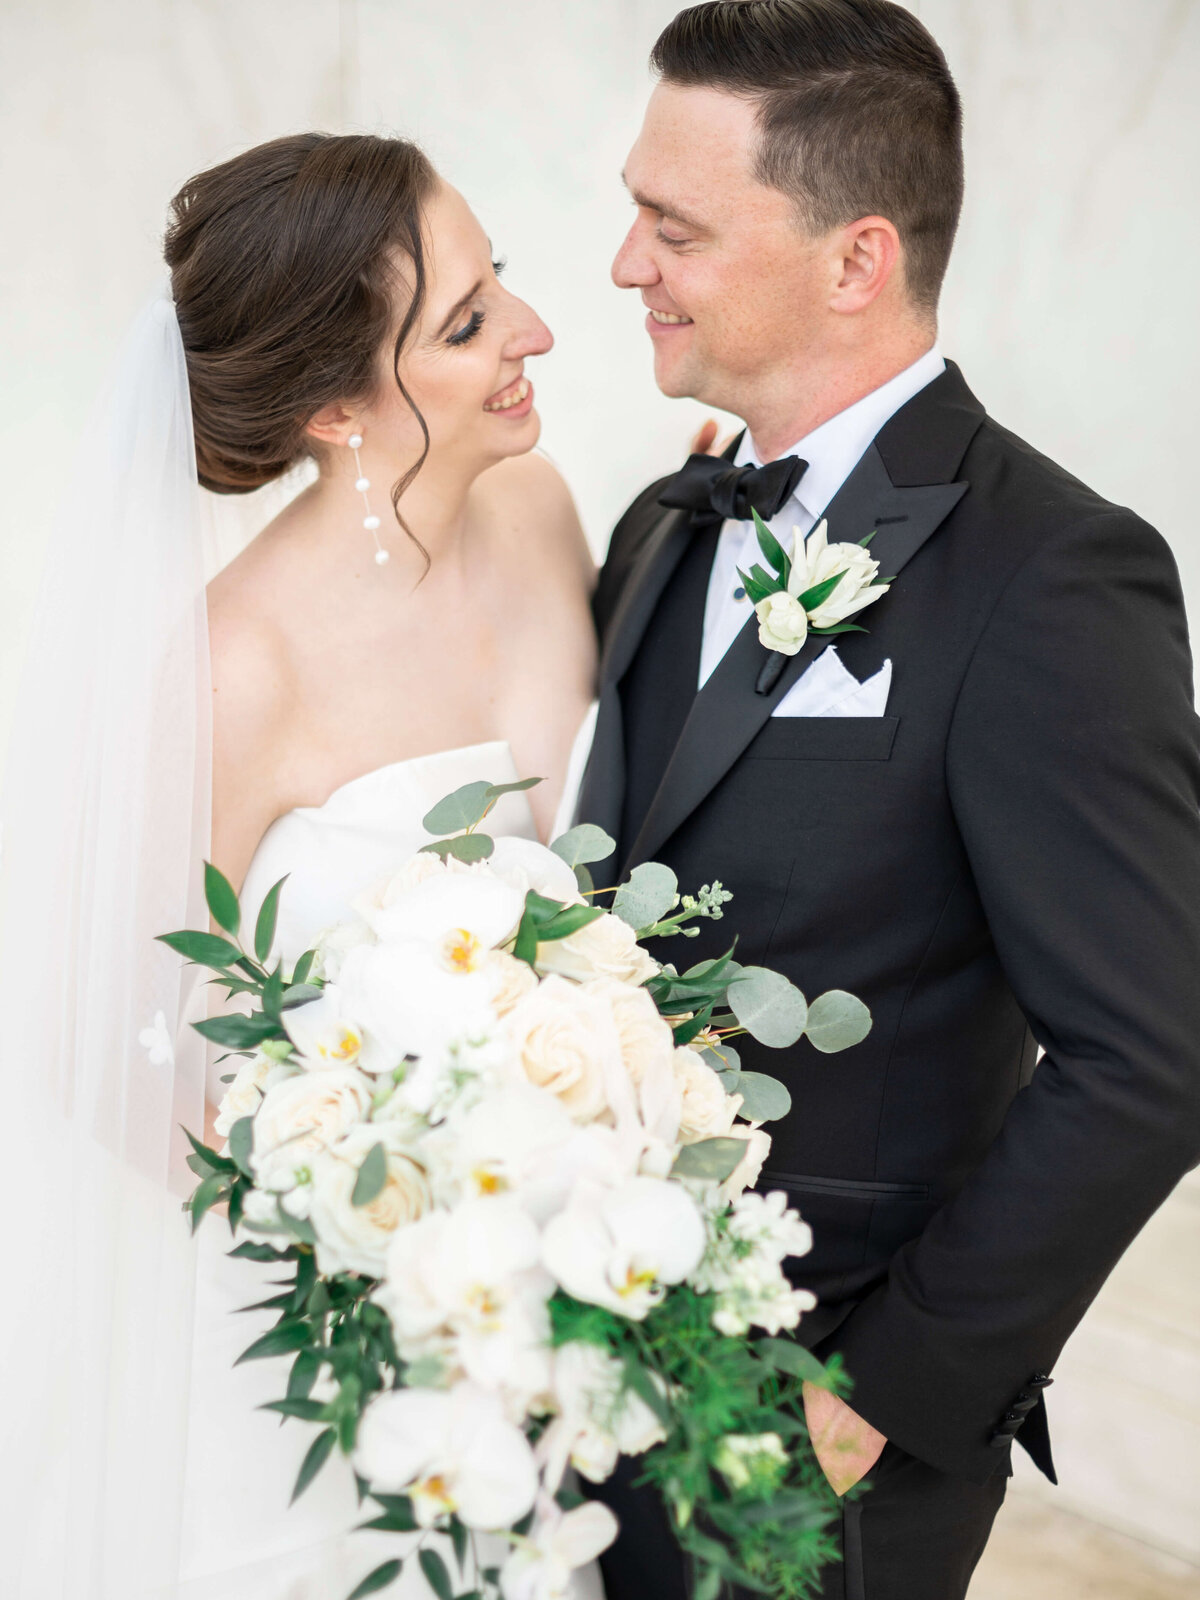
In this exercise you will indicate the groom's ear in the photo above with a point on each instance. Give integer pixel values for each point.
(333, 424)
(864, 257)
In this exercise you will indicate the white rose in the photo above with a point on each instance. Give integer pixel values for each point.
(745, 1175)
(354, 1238)
(821, 561)
(244, 1095)
(302, 1116)
(707, 1111)
(606, 947)
(782, 623)
(565, 1041)
(509, 978)
(644, 1035)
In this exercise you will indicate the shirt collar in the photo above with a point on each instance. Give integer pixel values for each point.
(834, 449)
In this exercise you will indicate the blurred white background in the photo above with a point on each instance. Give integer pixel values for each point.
(1071, 306)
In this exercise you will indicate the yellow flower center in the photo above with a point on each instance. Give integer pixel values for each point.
(462, 950)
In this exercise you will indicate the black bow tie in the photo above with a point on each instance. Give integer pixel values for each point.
(711, 487)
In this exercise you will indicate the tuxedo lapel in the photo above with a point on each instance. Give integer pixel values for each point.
(728, 711)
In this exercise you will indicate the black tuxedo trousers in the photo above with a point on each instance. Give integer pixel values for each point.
(1008, 859)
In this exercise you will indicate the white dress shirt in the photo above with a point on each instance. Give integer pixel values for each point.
(832, 451)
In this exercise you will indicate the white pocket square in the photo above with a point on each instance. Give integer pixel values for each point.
(827, 689)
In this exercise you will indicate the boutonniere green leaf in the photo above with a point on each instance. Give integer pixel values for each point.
(814, 591)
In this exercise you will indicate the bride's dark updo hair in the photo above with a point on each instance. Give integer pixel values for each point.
(284, 276)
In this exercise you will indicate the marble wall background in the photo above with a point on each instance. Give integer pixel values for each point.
(1070, 305)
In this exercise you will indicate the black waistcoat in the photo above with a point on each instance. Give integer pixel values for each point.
(659, 685)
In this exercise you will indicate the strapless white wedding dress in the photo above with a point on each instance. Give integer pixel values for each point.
(242, 1541)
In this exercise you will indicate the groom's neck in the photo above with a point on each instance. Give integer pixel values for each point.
(790, 404)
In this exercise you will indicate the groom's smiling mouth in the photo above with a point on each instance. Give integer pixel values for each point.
(664, 322)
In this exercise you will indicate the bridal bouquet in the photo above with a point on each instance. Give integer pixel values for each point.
(505, 1158)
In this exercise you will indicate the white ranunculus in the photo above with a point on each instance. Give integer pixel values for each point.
(451, 1451)
(541, 1564)
(448, 905)
(821, 560)
(606, 947)
(301, 1116)
(707, 1112)
(322, 1031)
(354, 1238)
(782, 623)
(621, 1247)
(411, 1001)
(745, 1175)
(599, 1418)
(565, 1041)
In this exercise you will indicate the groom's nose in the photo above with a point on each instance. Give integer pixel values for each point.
(633, 266)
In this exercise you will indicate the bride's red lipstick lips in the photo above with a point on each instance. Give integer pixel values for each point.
(521, 407)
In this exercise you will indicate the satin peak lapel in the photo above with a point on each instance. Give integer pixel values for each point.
(728, 712)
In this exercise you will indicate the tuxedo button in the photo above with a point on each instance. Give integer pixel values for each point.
(1023, 1403)
(1040, 1380)
(1000, 1441)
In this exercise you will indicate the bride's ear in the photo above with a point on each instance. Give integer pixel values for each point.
(333, 424)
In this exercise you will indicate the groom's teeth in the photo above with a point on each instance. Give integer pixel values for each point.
(514, 399)
(667, 316)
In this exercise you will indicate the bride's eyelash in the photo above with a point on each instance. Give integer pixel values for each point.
(467, 333)
(499, 266)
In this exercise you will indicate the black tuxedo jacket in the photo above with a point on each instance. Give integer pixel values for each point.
(1009, 858)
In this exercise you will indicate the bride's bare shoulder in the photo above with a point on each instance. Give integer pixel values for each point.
(528, 504)
(250, 667)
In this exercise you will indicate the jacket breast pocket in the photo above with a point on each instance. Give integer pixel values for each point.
(824, 739)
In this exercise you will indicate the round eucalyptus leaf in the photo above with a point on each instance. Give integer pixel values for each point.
(648, 895)
(714, 1159)
(764, 1099)
(769, 1007)
(837, 1020)
(462, 809)
(582, 844)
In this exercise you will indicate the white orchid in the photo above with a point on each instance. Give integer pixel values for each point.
(475, 905)
(412, 1001)
(559, 1542)
(452, 1451)
(322, 1031)
(621, 1247)
(598, 1418)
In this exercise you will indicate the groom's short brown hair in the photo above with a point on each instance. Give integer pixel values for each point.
(858, 113)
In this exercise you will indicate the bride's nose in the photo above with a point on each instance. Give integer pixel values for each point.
(529, 335)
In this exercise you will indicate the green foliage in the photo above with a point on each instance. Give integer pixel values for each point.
(436, 1575)
(264, 928)
(466, 847)
(372, 1176)
(380, 1578)
(764, 1099)
(465, 808)
(317, 1455)
(836, 1021)
(583, 844)
(222, 900)
(769, 1006)
(649, 893)
(714, 1159)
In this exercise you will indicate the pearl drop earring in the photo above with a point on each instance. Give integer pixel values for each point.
(362, 484)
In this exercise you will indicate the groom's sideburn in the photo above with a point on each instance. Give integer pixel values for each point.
(1008, 859)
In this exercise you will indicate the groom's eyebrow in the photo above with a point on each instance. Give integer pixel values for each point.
(459, 306)
(665, 208)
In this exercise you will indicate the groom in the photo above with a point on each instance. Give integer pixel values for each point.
(980, 815)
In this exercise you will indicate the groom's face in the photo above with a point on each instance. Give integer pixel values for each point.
(734, 289)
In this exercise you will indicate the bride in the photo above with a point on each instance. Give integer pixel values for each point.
(416, 618)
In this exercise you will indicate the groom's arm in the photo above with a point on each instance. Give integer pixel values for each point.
(1074, 774)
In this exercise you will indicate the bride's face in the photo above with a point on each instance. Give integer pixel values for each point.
(464, 363)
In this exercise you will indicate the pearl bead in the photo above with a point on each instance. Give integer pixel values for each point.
(371, 522)
(355, 441)
(381, 558)
(362, 485)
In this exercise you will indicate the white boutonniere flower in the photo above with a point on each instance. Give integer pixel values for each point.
(814, 591)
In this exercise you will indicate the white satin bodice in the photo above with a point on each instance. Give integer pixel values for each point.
(365, 830)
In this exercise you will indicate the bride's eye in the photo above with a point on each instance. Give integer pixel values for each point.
(499, 266)
(468, 331)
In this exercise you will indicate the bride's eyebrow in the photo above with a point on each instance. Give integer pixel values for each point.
(459, 306)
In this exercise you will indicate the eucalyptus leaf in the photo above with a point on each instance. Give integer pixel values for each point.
(222, 901)
(764, 1099)
(318, 1455)
(380, 1578)
(205, 949)
(647, 896)
(585, 881)
(837, 1020)
(466, 847)
(769, 1006)
(583, 843)
(495, 790)
(710, 1158)
(723, 1059)
(372, 1176)
(462, 809)
(436, 1575)
(268, 915)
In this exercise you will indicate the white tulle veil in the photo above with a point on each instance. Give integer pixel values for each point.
(105, 817)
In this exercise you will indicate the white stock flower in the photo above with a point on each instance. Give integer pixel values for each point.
(782, 623)
(451, 1451)
(541, 1564)
(751, 1458)
(322, 1032)
(743, 1265)
(606, 947)
(599, 1418)
(565, 1041)
(707, 1112)
(621, 1247)
(817, 560)
(354, 1238)
(301, 1116)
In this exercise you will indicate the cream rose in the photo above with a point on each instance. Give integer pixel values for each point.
(782, 623)
(606, 947)
(707, 1111)
(302, 1116)
(354, 1238)
(244, 1095)
(748, 1169)
(565, 1042)
(512, 979)
(644, 1036)
(817, 561)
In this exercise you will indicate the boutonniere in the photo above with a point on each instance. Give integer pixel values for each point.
(813, 591)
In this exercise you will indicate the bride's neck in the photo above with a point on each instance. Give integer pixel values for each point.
(435, 508)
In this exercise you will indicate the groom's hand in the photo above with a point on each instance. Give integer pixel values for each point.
(846, 1446)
